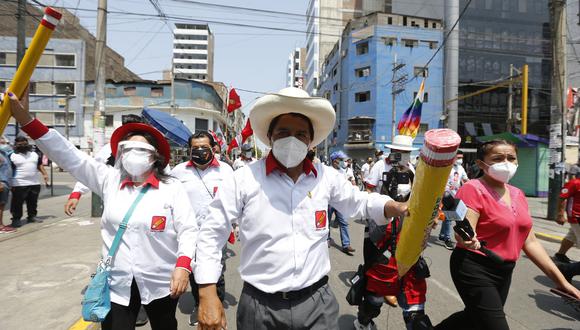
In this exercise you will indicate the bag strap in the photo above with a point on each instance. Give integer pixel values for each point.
(123, 225)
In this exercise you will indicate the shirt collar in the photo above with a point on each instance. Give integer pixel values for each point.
(214, 163)
(151, 180)
(273, 164)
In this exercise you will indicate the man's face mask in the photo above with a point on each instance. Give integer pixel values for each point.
(201, 155)
(289, 151)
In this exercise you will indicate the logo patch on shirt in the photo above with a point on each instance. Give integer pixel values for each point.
(215, 189)
(158, 223)
(320, 219)
(565, 191)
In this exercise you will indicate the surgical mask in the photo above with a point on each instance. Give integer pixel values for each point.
(137, 162)
(459, 161)
(502, 172)
(289, 151)
(342, 164)
(403, 190)
(248, 154)
(201, 156)
(405, 158)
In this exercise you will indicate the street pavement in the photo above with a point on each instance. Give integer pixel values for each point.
(46, 267)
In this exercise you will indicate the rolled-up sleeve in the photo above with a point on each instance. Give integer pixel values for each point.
(225, 208)
(353, 203)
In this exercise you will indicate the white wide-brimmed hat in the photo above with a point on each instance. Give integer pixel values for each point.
(402, 142)
(292, 100)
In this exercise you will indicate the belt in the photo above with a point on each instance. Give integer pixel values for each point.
(290, 295)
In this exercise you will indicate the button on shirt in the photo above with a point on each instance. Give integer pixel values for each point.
(202, 185)
(26, 173)
(160, 235)
(283, 224)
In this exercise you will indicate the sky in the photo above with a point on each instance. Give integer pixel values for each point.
(245, 58)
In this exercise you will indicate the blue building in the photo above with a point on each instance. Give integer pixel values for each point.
(358, 73)
(59, 73)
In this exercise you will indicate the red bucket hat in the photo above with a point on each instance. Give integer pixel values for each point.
(162, 144)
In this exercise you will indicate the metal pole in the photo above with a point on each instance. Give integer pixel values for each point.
(20, 42)
(510, 101)
(452, 63)
(558, 124)
(100, 79)
(525, 99)
(66, 113)
(173, 85)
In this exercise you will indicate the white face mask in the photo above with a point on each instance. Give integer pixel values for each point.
(502, 172)
(289, 151)
(404, 190)
(459, 161)
(137, 162)
(248, 154)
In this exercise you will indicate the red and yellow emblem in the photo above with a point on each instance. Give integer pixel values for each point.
(320, 219)
(158, 223)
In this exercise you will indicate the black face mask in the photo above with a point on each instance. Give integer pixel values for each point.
(22, 149)
(201, 156)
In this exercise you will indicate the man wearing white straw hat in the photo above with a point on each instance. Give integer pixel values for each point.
(280, 204)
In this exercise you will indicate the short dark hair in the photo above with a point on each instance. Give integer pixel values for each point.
(20, 138)
(484, 148)
(275, 121)
(131, 118)
(200, 135)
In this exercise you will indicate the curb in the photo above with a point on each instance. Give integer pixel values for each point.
(548, 237)
(81, 324)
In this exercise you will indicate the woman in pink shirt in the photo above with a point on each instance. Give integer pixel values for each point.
(499, 214)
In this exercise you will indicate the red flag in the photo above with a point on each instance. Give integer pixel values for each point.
(241, 138)
(247, 131)
(234, 101)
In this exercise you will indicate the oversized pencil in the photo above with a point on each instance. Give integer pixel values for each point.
(434, 166)
(31, 57)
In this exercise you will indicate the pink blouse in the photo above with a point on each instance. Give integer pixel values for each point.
(504, 228)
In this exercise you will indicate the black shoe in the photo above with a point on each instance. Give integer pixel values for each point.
(449, 245)
(16, 223)
(560, 257)
(348, 250)
(141, 318)
(565, 270)
(34, 220)
(193, 317)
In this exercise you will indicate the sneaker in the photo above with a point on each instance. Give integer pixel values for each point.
(142, 318)
(16, 223)
(449, 245)
(193, 317)
(560, 257)
(34, 220)
(359, 326)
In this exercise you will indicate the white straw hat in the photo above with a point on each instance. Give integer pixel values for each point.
(402, 142)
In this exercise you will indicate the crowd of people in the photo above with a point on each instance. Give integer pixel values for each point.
(280, 209)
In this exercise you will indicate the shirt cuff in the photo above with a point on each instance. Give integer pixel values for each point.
(75, 195)
(206, 273)
(35, 129)
(376, 208)
(184, 262)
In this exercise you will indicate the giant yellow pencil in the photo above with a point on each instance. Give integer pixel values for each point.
(434, 166)
(31, 57)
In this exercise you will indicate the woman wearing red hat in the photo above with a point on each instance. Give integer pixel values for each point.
(152, 264)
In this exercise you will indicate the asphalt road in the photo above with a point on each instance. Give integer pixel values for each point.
(45, 268)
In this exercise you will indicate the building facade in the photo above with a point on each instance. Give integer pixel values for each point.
(295, 68)
(57, 80)
(193, 49)
(325, 20)
(357, 76)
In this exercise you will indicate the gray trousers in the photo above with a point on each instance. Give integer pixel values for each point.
(257, 311)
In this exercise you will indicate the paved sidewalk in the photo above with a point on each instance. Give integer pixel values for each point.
(548, 230)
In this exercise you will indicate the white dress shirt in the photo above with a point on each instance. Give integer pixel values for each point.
(202, 185)
(101, 156)
(160, 235)
(375, 178)
(239, 162)
(26, 173)
(283, 224)
(365, 169)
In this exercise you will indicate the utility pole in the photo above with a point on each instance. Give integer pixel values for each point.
(20, 41)
(510, 100)
(100, 79)
(66, 112)
(172, 105)
(398, 82)
(557, 119)
(451, 63)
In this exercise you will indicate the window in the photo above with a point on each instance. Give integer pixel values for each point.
(390, 20)
(404, 20)
(130, 91)
(201, 124)
(426, 24)
(434, 25)
(7, 58)
(111, 91)
(60, 118)
(156, 91)
(64, 88)
(362, 96)
(3, 85)
(41, 88)
(46, 118)
(334, 71)
(423, 128)
(65, 60)
(109, 120)
(420, 71)
(433, 44)
(390, 41)
(410, 43)
(362, 48)
(335, 87)
(425, 97)
(363, 72)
